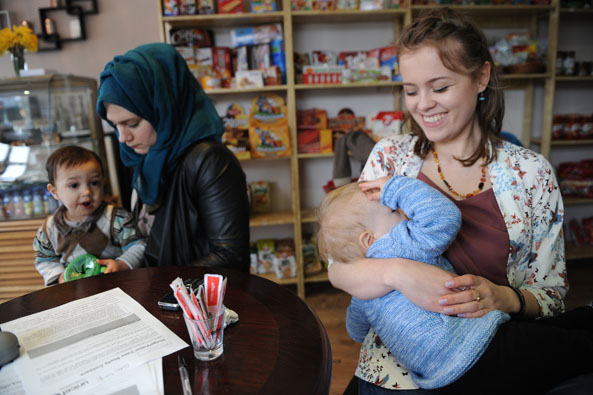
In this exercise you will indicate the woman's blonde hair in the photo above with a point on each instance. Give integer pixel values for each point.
(341, 220)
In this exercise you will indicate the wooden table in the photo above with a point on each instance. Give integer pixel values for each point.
(279, 345)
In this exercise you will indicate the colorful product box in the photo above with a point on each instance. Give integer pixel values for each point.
(314, 141)
(313, 75)
(230, 6)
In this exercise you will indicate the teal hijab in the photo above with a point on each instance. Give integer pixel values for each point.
(154, 82)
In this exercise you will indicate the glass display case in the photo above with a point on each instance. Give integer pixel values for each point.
(37, 116)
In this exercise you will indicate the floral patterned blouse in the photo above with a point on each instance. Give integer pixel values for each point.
(529, 199)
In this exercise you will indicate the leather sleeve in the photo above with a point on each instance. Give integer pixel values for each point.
(219, 193)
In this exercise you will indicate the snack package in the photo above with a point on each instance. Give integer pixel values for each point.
(347, 4)
(366, 5)
(260, 197)
(284, 260)
(301, 5)
(170, 8)
(315, 141)
(386, 123)
(253, 269)
(313, 75)
(265, 255)
(388, 59)
(272, 76)
(259, 6)
(311, 262)
(269, 141)
(236, 131)
(240, 58)
(206, 7)
(187, 7)
(230, 6)
(278, 58)
(187, 53)
(260, 58)
(314, 118)
(254, 35)
(249, 79)
(324, 5)
(196, 38)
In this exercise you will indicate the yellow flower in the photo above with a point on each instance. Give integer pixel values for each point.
(17, 39)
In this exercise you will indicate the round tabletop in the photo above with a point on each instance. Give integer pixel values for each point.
(279, 344)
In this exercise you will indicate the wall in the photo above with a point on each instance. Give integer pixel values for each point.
(120, 25)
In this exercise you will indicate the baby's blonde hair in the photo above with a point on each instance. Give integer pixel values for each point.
(341, 220)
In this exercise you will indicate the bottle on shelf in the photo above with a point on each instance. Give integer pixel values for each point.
(28, 202)
(38, 201)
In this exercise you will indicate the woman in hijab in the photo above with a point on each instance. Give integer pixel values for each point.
(192, 197)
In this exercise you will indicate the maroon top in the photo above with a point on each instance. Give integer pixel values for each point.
(482, 244)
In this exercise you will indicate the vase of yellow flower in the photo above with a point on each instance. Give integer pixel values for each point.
(16, 40)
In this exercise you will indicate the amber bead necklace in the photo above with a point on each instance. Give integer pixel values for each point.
(460, 195)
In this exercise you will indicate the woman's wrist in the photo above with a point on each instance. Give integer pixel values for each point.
(518, 310)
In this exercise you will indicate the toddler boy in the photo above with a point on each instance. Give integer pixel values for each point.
(84, 223)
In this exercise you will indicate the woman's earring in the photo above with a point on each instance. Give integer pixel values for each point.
(481, 96)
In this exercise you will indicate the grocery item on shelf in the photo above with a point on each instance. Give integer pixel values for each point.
(269, 135)
(265, 255)
(236, 131)
(386, 123)
(261, 201)
(311, 263)
(284, 260)
(576, 178)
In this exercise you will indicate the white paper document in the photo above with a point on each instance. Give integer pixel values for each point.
(101, 339)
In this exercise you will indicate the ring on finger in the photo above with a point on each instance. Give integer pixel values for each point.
(478, 298)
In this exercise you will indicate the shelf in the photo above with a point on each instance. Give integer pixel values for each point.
(264, 159)
(228, 91)
(324, 155)
(571, 200)
(574, 78)
(317, 277)
(223, 20)
(565, 142)
(351, 85)
(274, 278)
(347, 16)
(524, 76)
(490, 10)
(309, 215)
(578, 252)
(273, 218)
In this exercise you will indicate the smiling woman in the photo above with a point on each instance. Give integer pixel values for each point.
(512, 262)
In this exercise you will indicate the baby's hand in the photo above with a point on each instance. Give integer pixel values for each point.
(374, 187)
(113, 265)
(61, 278)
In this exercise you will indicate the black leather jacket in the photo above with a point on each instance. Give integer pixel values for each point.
(203, 217)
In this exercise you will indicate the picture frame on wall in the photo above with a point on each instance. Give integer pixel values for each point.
(4, 19)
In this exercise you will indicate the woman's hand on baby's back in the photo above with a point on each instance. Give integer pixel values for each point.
(113, 265)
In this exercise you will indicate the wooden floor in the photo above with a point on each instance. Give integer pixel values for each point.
(330, 305)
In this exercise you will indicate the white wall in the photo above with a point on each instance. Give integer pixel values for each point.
(119, 26)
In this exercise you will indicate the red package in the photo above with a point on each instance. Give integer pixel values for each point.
(230, 6)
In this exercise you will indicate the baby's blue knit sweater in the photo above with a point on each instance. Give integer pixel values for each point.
(436, 348)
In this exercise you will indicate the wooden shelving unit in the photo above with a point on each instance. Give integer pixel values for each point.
(486, 15)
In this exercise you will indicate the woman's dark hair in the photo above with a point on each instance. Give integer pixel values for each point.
(69, 156)
(462, 47)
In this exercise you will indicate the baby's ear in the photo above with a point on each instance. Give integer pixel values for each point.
(366, 239)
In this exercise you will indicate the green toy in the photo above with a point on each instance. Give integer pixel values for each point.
(83, 266)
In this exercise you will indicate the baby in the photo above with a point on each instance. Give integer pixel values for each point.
(440, 351)
(84, 223)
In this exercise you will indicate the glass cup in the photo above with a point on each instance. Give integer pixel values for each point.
(206, 336)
